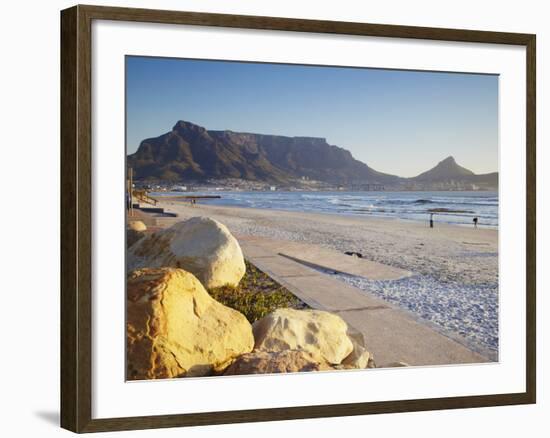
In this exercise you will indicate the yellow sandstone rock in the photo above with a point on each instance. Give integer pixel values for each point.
(137, 226)
(175, 328)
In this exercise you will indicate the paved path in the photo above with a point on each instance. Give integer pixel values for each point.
(391, 334)
(319, 257)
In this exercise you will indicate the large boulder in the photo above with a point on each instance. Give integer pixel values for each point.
(321, 334)
(269, 362)
(200, 245)
(175, 328)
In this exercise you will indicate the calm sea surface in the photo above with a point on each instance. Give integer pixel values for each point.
(461, 207)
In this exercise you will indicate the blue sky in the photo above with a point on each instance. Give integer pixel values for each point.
(399, 122)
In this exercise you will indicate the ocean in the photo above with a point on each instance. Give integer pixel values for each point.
(457, 208)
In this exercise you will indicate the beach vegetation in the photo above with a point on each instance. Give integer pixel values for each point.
(256, 295)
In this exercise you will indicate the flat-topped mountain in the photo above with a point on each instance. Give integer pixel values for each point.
(190, 151)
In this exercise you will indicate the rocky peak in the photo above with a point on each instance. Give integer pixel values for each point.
(449, 160)
(445, 170)
(183, 126)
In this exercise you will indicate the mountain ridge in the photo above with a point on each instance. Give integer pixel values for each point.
(191, 152)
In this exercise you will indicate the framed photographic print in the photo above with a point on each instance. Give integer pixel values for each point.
(270, 218)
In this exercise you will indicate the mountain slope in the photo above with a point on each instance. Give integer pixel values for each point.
(190, 151)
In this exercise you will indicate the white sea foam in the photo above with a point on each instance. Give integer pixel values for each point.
(462, 206)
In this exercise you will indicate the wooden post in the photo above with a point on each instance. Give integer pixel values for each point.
(131, 190)
(127, 194)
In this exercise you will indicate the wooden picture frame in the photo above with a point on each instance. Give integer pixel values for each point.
(76, 218)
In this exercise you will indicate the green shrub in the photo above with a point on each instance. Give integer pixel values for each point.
(256, 295)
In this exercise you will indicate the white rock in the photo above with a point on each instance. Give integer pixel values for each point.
(322, 334)
(200, 245)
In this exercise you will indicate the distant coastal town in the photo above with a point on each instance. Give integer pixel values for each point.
(305, 184)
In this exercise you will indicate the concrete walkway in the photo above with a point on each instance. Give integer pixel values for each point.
(391, 334)
(322, 258)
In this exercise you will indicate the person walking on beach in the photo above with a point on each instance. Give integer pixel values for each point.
(475, 222)
(431, 220)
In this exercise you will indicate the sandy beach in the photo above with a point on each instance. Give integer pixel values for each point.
(446, 252)
(454, 281)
